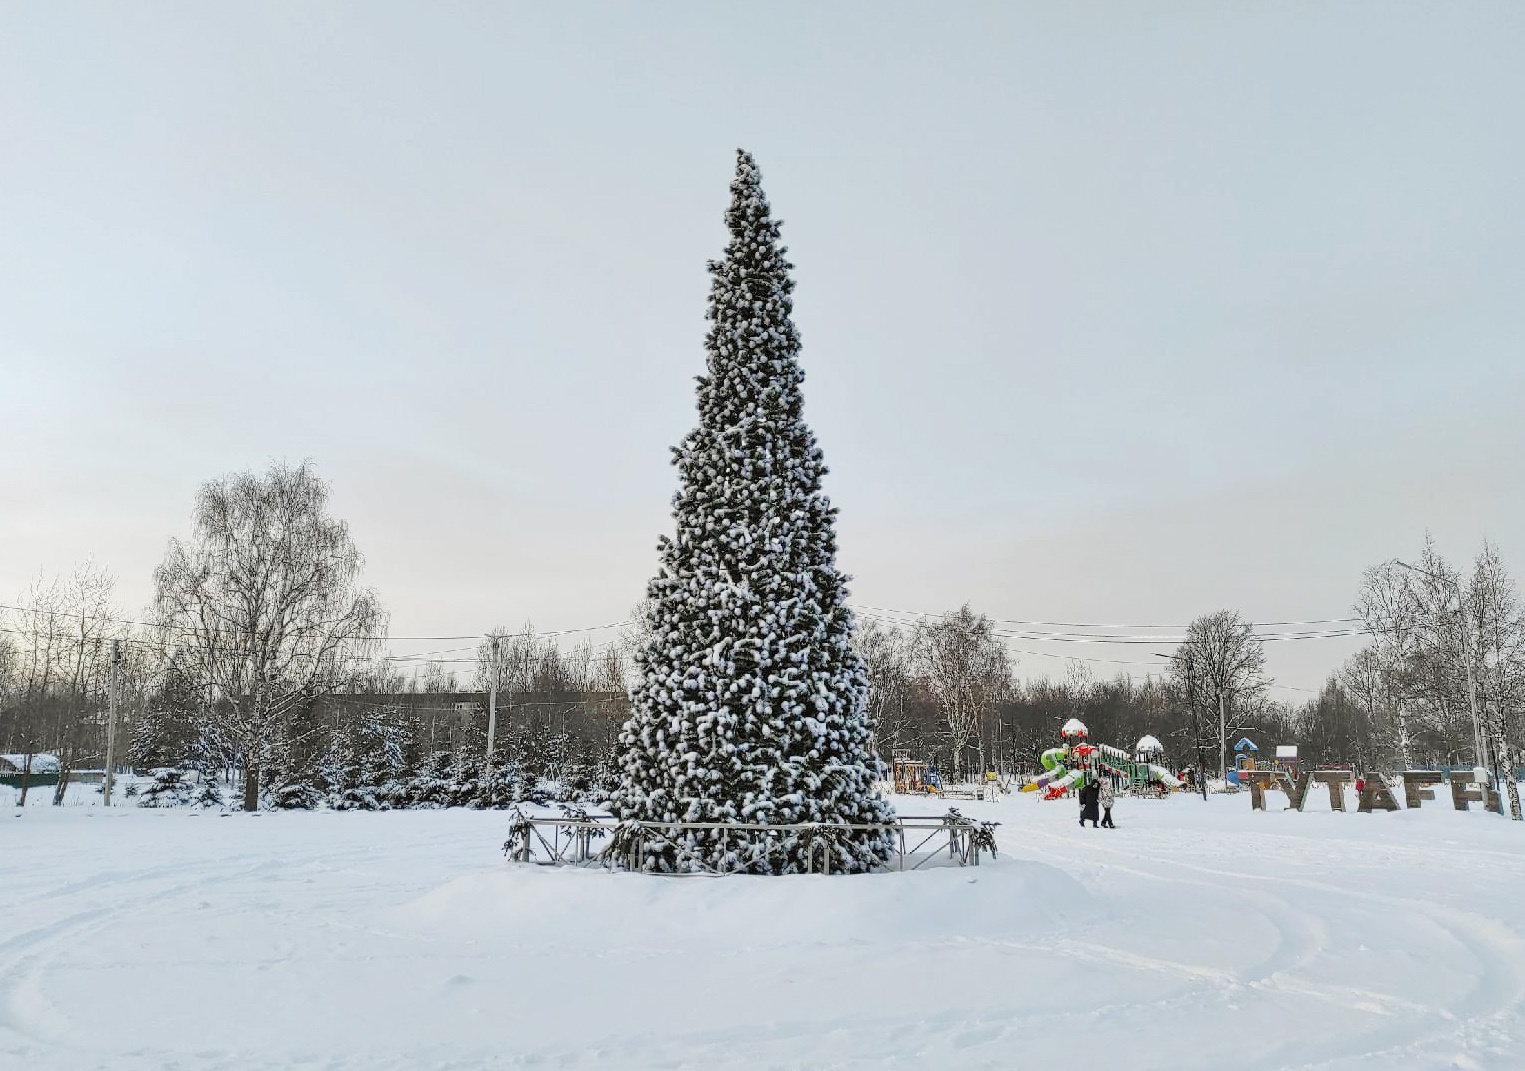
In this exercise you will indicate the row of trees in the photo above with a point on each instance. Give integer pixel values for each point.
(944, 689)
(56, 649)
(263, 659)
(1441, 682)
(1445, 672)
(264, 656)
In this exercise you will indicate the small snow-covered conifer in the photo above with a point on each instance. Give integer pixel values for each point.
(749, 702)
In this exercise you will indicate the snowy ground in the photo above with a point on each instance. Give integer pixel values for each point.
(1194, 936)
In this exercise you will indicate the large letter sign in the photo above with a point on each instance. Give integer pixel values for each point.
(1336, 780)
(1293, 785)
(1376, 794)
(1463, 793)
(1414, 790)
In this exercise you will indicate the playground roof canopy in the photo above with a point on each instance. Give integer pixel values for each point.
(1246, 744)
(1148, 745)
(1074, 727)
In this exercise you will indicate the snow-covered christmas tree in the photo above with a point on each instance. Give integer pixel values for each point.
(749, 701)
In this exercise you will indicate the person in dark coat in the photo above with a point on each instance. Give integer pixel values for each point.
(1090, 793)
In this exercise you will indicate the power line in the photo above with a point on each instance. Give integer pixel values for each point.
(1081, 658)
(1060, 637)
(1094, 624)
(373, 639)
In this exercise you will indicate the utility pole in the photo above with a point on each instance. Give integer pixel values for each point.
(1196, 722)
(112, 689)
(492, 700)
(1222, 737)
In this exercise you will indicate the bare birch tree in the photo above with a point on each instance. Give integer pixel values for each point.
(262, 608)
(1419, 636)
(967, 672)
(1498, 631)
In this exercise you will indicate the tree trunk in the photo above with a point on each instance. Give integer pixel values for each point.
(26, 778)
(1504, 748)
(1222, 739)
(1403, 735)
(66, 758)
(251, 787)
(65, 769)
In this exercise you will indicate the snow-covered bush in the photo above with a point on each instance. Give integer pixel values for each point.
(176, 787)
(296, 796)
(430, 784)
(208, 794)
(169, 788)
(502, 784)
(463, 786)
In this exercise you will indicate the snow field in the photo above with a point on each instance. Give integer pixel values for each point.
(1194, 936)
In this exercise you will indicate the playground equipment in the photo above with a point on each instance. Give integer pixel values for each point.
(1247, 760)
(1245, 752)
(1077, 760)
(910, 776)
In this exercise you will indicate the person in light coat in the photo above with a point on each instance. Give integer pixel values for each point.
(1105, 798)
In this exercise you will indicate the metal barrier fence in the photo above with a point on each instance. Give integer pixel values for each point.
(577, 838)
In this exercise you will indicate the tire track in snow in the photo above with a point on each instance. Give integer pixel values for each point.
(1484, 1020)
(24, 1008)
(1299, 937)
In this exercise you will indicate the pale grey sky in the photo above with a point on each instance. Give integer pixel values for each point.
(1112, 312)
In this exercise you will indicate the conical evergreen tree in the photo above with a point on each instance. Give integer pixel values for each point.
(749, 703)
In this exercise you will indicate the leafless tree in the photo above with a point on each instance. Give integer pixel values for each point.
(1413, 613)
(58, 670)
(89, 621)
(1221, 665)
(40, 652)
(967, 672)
(1452, 650)
(1498, 647)
(1372, 680)
(435, 679)
(887, 654)
(10, 660)
(262, 608)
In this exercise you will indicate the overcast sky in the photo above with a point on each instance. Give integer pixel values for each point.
(1112, 312)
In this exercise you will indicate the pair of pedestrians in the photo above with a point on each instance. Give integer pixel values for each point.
(1095, 795)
